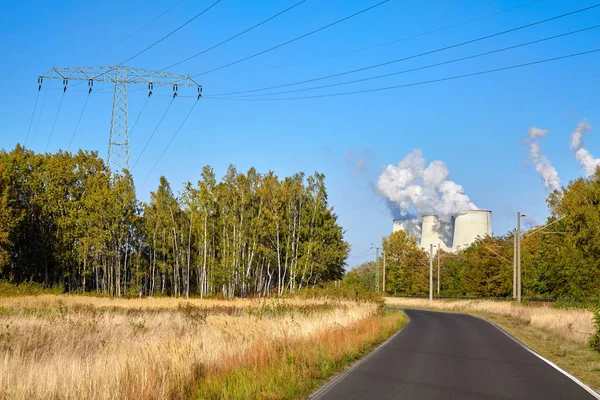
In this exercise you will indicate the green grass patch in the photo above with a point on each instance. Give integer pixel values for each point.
(292, 370)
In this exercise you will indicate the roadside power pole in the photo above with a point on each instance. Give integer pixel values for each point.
(438, 271)
(377, 269)
(383, 272)
(515, 266)
(519, 284)
(431, 271)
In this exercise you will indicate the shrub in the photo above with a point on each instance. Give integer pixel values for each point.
(595, 338)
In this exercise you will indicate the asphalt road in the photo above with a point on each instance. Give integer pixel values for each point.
(452, 356)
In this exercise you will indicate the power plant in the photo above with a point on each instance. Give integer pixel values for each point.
(458, 233)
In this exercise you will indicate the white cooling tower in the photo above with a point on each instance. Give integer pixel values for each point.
(436, 232)
(470, 225)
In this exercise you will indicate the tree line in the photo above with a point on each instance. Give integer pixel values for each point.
(562, 261)
(66, 220)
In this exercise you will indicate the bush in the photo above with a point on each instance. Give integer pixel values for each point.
(345, 292)
(8, 289)
(595, 338)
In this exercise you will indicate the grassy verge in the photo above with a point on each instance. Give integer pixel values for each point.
(292, 369)
(574, 357)
(558, 335)
(72, 347)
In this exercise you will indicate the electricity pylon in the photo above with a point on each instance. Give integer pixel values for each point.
(118, 143)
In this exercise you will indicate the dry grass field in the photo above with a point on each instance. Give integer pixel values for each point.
(570, 324)
(101, 348)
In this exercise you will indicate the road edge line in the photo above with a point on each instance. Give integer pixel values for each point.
(323, 390)
(553, 365)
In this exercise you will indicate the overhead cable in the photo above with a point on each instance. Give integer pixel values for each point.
(79, 120)
(235, 36)
(293, 40)
(139, 115)
(37, 96)
(171, 141)
(430, 32)
(412, 56)
(62, 97)
(171, 33)
(139, 29)
(153, 132)
(427, 66)
(414, 83)
(37, 124)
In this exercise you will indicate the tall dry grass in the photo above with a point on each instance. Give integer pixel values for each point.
(100, 348)
(572, 324)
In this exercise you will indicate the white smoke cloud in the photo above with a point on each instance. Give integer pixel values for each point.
(577, 135)
(535, 133)
(416, 189)
(587, 161)
(543, 166)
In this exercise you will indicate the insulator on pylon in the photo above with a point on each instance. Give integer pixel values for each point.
(150, 87)
(65, 83)
(199, 91)
(175, 88)
(40, 80)
(90, 84)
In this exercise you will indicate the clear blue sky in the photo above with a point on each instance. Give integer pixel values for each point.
(475, 125)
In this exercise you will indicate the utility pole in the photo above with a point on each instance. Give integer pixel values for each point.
(384, 272)
(438, 270)
(377, 269)
(121, 76)
(519, 285)
(431, 271)
(515, 266)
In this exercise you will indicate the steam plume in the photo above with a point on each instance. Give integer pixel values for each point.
(587, 161)
(543, 166)
(413, 189)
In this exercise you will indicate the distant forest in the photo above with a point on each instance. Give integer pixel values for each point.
(65, 220)
(561, 261)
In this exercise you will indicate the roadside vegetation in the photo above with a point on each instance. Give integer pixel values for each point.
(68, 346)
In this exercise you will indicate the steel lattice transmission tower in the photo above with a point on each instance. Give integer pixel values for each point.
(118, 144)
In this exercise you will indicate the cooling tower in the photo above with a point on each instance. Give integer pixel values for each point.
(469, 225)
(436, 232)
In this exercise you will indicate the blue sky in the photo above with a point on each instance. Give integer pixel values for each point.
(475, 125)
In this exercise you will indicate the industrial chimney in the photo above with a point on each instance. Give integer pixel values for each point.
(470, 225)
(436, 232)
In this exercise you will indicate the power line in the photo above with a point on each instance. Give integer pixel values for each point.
(171, 33)
(430, 65)
(37, 96)
(140, 29)
(37, 124)
(153, 132)
(79, 120)
(235, 36)
(171, 141)
(414, 55)
(416, 83)
(293, 40)
(139, 115)
(62, 97)
(363, 255)
(397, 40)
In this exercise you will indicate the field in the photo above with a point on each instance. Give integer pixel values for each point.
(560, 335)
(55, 346)
(572, 324)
